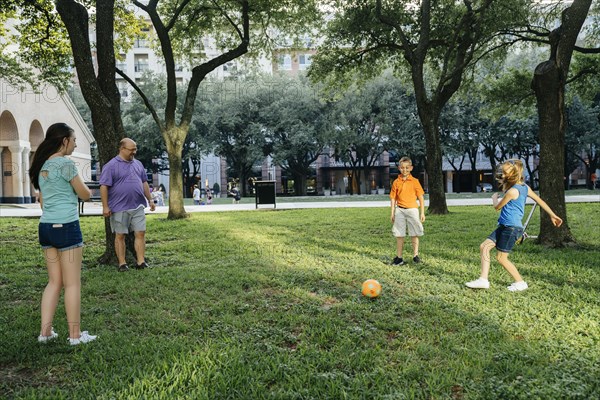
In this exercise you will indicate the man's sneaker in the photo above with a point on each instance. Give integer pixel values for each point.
(398, 261)
(46, 339)
(479, 284)
(416, 259)
(518, 286)
(142, 265)
(123, 268)
(84, 337)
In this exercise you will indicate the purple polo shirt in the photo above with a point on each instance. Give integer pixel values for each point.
(125, 182)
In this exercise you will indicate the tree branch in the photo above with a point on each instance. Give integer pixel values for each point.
(176, 14)
(240, 34)
(143, 96)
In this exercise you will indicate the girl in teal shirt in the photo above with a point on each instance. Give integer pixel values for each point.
(59, 185)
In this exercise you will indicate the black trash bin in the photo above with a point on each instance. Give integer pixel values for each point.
(265, 193)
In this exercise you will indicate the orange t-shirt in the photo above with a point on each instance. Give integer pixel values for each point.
(406, 192)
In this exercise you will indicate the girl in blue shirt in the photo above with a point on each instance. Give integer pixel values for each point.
(59, 185)
(510, 226)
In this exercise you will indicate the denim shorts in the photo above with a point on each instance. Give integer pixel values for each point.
(60, 236)
(505, 237)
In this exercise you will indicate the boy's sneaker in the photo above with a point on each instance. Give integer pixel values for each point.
(479, 284)
(46, 339)
(398, 261)
(84, 337)
(123, 268)
(416, 259)
(518, 286)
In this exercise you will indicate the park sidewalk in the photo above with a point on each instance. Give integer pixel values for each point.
(33, 210)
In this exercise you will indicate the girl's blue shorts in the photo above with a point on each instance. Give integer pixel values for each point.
(505, 237)
(60, 236)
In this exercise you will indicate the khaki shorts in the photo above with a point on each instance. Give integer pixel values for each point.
(407, 218)
(128, 221)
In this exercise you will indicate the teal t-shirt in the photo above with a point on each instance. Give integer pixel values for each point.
(59, 200)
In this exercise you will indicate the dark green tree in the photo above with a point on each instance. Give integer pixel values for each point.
(433, 42)
(297, 124)
(583, 137)
(180, 27)
(236, 133)
(369, 120)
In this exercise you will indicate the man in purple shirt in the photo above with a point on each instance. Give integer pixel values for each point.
(124, 191)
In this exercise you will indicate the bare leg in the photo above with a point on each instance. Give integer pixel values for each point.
(70, 262)
(399, 245)
(120, 247)
(508, 266)
(415, 245)
(52, 291)
(484, 250)
(140, 246)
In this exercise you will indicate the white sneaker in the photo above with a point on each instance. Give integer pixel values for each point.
(518, 286)
(46, 339)
(84, 337)
(479, 284)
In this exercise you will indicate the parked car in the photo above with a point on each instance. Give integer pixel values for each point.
(486, 187)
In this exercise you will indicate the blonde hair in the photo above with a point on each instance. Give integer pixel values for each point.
(405, 160)
(510, 173)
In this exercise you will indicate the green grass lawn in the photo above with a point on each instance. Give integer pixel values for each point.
(266, 305)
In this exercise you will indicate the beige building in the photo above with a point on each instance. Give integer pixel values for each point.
(24, 117)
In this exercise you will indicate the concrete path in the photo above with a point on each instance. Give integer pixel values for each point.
(33, 210)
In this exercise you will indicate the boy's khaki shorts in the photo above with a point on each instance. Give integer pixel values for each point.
(407, 218)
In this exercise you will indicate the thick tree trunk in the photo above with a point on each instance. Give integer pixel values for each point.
(299, 183)
(549, 91)
(174, 140)
(435, 176)
(549, 82)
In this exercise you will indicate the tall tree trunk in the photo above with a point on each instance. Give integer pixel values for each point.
(174, 139)
(549, 92)
(299, 183)
(549, 82)
(435, 176)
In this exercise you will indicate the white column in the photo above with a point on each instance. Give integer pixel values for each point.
(25, 174)
(16, 157)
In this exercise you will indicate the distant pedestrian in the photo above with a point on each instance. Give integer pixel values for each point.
(236, 195)
(209, 196)
(196, 195)
(125, 193)
(406, 191)
(59, 185)
(510, 226)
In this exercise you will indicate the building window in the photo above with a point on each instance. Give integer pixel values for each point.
(123, 89)
(141, 66)
(285, 62)
(140, 43)
(304, 61)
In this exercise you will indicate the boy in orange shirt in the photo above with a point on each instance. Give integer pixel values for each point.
(406, 190)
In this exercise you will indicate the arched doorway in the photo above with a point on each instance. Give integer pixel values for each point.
(10, 164)
(36, 136)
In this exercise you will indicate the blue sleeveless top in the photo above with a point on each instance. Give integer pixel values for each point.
(512, 213)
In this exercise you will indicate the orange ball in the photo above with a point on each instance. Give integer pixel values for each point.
(371, 288)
